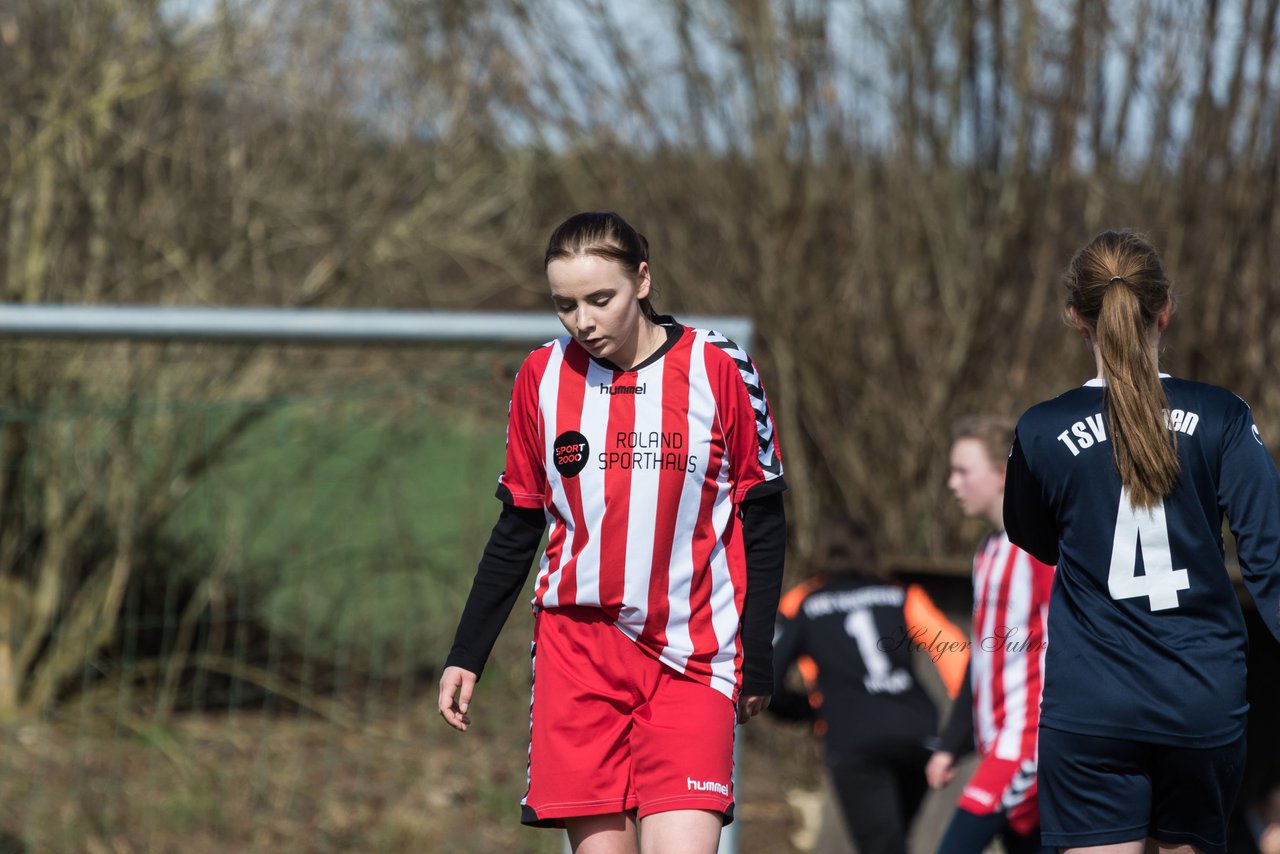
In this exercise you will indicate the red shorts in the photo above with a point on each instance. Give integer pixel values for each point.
(613, 729)
(1004, 786)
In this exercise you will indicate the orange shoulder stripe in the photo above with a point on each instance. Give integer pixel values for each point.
(793, 598)
(952, 657)
(789, 607)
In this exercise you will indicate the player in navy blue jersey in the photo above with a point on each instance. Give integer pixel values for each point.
(1123, 483)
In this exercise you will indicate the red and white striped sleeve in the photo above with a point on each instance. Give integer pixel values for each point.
(523, 483)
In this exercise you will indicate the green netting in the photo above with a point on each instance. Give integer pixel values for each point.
(230, 577)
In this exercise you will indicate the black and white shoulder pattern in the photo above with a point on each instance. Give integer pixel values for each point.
(769, 460)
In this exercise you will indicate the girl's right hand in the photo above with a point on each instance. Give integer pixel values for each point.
(456, 685)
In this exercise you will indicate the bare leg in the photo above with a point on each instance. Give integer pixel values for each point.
(614, 833)
(1154, 846)
(1138, 846)
(681, 832)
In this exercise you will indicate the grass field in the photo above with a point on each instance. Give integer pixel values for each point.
(266, 783)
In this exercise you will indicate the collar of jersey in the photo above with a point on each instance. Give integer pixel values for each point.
(1099, 382)
(674, 332)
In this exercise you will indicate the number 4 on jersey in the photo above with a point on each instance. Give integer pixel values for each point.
(1144, 531)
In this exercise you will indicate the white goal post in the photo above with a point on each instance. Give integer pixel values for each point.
(303, 325)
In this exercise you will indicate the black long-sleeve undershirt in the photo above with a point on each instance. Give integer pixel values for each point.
(764, 534)
(957, 735)
(513, 544)
(504, 566)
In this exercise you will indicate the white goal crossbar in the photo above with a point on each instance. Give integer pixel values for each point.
(302, 325)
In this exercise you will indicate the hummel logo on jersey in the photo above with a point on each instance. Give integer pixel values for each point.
(707, 786)
(605, 388)
(570, 453)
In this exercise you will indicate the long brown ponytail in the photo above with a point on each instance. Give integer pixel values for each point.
(1117, 287)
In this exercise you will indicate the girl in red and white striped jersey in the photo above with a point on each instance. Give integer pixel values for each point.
(1002, 713)
(650, 450)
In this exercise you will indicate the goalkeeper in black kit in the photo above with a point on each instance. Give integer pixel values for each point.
(851, 630)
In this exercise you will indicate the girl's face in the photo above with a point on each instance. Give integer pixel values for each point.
(598, 301)
(977, 483)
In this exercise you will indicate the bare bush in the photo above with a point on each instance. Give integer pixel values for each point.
(889, 190)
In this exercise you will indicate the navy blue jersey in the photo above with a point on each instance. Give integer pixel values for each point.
(1147, 637)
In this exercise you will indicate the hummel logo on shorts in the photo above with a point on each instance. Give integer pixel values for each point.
(707, 786)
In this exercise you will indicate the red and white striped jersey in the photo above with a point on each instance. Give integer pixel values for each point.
(639, 473)
(1010, 609)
